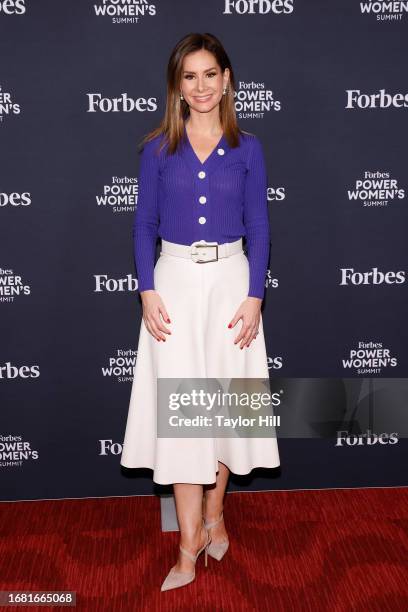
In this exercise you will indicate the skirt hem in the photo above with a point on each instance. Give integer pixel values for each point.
(200, 481)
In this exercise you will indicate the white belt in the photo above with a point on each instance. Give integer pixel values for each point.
(201, 251)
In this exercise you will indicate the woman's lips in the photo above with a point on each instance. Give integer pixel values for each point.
(202, 98)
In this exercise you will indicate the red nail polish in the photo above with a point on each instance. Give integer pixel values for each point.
(229, 325)
(168, 321)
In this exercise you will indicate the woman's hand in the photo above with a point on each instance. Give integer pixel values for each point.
(250, 313)
(153, 307)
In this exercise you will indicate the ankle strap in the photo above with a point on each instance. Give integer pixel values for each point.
(194, 557)
(209, 525)
(189, 554)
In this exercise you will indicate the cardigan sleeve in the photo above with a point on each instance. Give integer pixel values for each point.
(256, 219)
(146, 219)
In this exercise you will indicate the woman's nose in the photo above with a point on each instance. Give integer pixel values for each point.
(201, 84)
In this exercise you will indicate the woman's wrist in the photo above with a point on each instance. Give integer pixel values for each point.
(146, 291)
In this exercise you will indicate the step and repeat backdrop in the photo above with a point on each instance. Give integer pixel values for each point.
(324, 86)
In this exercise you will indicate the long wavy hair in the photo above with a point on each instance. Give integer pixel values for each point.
(177, 111)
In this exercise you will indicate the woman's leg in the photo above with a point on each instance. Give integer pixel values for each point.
(214, 503)
(189, 498)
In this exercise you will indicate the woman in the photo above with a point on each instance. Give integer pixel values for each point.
(202, 187)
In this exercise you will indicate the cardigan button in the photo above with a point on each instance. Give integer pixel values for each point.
(220, 151)
(201, 174)
(202, 199)
(202, 220)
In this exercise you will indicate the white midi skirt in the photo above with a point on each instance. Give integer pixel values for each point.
(201, 299)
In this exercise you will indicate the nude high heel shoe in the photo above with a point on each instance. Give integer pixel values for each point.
(217, 549)
(175, 579)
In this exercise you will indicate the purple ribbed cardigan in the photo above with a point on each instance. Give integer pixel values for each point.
(183, 200)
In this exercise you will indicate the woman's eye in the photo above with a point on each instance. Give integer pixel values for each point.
(190, 76)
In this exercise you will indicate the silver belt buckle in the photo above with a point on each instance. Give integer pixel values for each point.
(203, 245)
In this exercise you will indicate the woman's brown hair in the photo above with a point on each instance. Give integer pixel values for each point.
(172, 124)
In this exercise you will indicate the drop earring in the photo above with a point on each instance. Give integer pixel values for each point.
(181, 96)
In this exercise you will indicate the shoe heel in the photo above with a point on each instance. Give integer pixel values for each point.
(206, 549)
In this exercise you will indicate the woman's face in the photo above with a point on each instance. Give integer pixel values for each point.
(202, 81)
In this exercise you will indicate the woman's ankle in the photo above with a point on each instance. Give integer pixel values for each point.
(212, 515)
(193, 539)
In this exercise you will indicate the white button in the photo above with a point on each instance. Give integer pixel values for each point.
(202, 220)
(202, 199)
(220, 151)
(201, 174)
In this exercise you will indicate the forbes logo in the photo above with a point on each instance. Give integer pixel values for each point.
(113, 285)
(108, 447)
(356, 99)
(12, 7)
(375, 277)
(15, 199)
(10, 371)
(116, 105)
(344, 438)
(262, 7)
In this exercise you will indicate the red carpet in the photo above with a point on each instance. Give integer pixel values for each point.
(329, 550)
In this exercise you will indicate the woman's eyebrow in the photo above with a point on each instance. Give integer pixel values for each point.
(192, 72)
